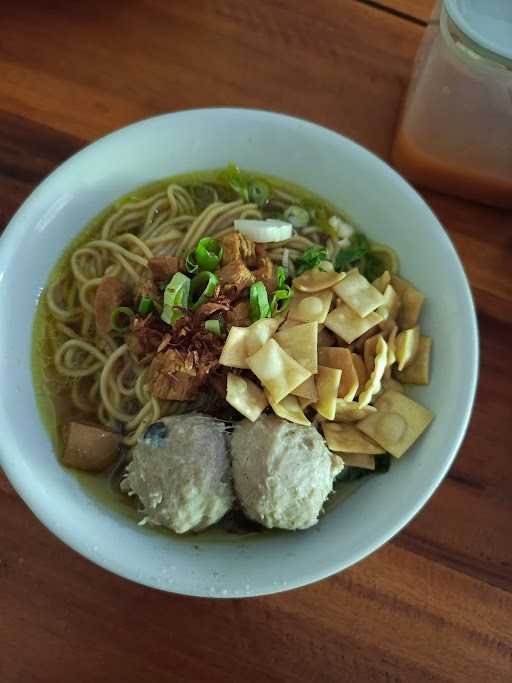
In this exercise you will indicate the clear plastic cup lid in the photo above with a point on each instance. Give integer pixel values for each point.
(487, 22)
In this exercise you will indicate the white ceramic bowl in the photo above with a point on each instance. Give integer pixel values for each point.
(380, 202)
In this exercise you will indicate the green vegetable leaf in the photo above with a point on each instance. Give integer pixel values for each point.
(309, 259)
(346, 257)
(372, 266)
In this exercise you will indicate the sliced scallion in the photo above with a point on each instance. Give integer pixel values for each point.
(176, 296)
(258, 302)
(190, 264)
(202, 288)
(280, 300)
(121, 319)
(208, 254)
(281, 276)
(213, 326)
(145, 305)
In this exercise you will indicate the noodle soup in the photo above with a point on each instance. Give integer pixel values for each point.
(177, 300)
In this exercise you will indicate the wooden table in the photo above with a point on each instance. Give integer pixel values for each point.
(435, 604)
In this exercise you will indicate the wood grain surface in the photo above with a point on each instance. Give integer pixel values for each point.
(435, 604)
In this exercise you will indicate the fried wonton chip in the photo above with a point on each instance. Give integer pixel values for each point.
(351, 411)
(288, 323)
(290, 409)
(391, 305)
(316, 280)
(418, 372)
(310, 308)
(363, 460)
(358, 293)
(382, 282)
(307, 390)
(305, 402)
(398, 422)
(245, 396)
(244, 341)
(349, 325)
(276, 370)
(409, 313)
(370, 351)
(341, 358)
(345, 438)
(233, 353)
(360, 369)
(391, 341)
(372, 386)
(327, 383)
(300, 343)
(406, 346)
(259, 333)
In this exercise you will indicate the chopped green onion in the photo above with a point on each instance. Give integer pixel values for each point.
(281, 276)
(213, 326)
(175, 298)
(208, 254)
(346, 257)
(297, 216)
(310, 258)
(145, 305)
(202, 288)
(236, 180)
(280, 300)
(203, 195)
(190, 264)
(258, 192)
(121, 312)
(258, 302)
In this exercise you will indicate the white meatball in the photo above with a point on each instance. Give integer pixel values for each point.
(283, 472)
(181, 473)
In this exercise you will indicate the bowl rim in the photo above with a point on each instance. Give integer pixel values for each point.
(9, 243)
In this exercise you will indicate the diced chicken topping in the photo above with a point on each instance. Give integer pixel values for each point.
(238, 247)
(266, 273)
(234, 278)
